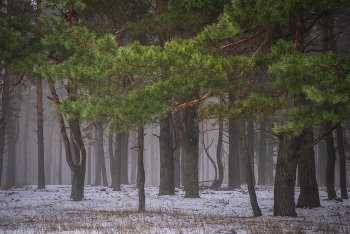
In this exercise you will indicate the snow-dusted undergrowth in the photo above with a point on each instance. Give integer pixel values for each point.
(28, 210)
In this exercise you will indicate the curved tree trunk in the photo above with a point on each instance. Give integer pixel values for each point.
(78, 168)
(217, 183)
(309, 196)
(249, 172)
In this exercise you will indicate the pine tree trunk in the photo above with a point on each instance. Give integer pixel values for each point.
(262, 154)
(270, 164)
(101, 154)
(234, 180)
(25, 141)
(342, 162)
(250, 138)
(40, 121)
(78, 168)
(249, 172)
(309, 196)
(284, 204)
(322, 162)
(117, 163)
(177, 151)
(166, 185)
(124, 157)
(48, 154)
(133, 156)
(191, 138)
(111, 158)
(141, 170)
(4, 118)
(98, 164)
(330, 163)
(217, 183)
(60, 162)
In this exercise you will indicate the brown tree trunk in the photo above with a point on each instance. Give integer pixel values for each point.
(78, 168)
(141, 170)
(166, 185)
(342, 163)
(309, 196)
(249, 172)
(40, 132)
(190, 134)
(330, 163)
(284, 204)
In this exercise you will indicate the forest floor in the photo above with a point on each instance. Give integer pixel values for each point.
(29, 210)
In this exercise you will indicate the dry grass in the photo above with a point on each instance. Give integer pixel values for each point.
(153, 221)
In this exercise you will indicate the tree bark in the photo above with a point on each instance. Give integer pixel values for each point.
(133, 156)
(250, 138)
(330, 163)
(117, 166)
(249, 172)
(25, 141)
(190, 134)
(78, 168)
(98, 164)
(141, 170)
(166, 185)
(342, 162)
(217, 183)
(284, 204)
(124, 158)
(322, 162)
(101, 154)
(40, 132)
(234, 180)
(13, 135)
(60, 161)
(309, 196)
(270, 164)
(262, 154)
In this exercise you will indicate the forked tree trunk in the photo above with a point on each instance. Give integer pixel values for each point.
(342, 162)
(78, 168)
(249, 172)
(284, 204)
(166, 185)
(190, 134)
(141, 170)
(309, 196)
(217, 183)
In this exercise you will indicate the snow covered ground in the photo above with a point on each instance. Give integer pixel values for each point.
(29, 210)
